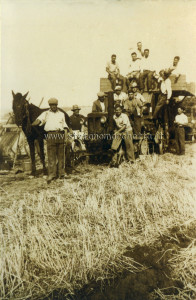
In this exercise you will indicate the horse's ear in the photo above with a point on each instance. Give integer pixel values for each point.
(13, 94)
(25, 95)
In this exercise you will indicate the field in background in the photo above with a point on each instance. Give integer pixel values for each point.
(77, 231)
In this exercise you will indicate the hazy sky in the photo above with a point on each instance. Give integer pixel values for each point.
(60, 48)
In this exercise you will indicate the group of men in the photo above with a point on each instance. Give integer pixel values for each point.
(128, 111)
(140, 69)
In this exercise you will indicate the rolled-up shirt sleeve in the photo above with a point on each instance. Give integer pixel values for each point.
(42, 118)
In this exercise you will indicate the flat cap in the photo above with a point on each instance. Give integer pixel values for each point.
(118, 88)
(75, 107)
(134, 84)
(101, 94)
(53, 101)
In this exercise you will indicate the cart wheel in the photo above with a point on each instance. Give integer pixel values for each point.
(144, 149)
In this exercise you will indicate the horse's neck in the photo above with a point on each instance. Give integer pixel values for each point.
(35, 111)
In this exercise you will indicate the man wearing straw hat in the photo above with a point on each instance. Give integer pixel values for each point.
(76, 120)
(56, 128)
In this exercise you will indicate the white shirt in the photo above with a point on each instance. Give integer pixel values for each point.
(134, 66)
(181, 119)
(102, 106)
(166, 88)
(140, 97)
(121, 121)
(176, 70)
(146, 64)
(139, 53)
(53, 121)
(122, 97)
(113, 68)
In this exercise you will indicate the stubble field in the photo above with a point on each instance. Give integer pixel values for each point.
(116, 234)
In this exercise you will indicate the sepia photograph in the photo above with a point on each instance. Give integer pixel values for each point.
(98, 150)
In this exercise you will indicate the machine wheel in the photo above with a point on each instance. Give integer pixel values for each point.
(76, 153)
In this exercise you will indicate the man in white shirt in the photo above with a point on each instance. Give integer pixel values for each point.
(119, 96)
(139, 51)
(175, 68)
(180, 121)
(134, 69)
(123, 131)
(56, 128)
(112, 68)
(165, 93)
(136, 92)
(146, 71)
(133, 107)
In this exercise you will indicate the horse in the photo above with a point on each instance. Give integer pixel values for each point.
(25, 114)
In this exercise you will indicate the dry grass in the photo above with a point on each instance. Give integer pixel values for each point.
(67, 237)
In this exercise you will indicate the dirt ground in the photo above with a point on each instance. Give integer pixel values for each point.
(14, 185)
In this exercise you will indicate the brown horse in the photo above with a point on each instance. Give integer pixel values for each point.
(25, 115)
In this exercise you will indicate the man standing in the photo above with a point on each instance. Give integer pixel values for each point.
(56, 129)
(134, 69)
(101, 104)
(180, 121)
(165, 93)
(123, 131)
(113, 71)
(133, 108)
(76, 119)
(146, 71)
(139, 51)
(119, 96)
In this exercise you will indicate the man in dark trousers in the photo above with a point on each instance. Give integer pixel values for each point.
(101, 104)
(123, 131)
(56, 129)
(180, 121)
(76, 119)
(165, 93)
(112, 68)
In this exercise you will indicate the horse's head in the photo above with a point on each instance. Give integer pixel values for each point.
(20, 107)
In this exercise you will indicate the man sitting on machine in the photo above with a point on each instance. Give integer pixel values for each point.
(122, 133)
(119, 96)
(134, 70)
(133, 108)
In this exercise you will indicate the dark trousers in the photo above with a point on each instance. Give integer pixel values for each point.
(129, 146)
(161, 102)
(137, 125)
(112, 78)
(133, 76)
(68, 149)
(146, 74)
(180, 140)
(55, 150)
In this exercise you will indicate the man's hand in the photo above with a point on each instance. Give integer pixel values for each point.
(167, 101)
(36, 122)
(66, 134)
